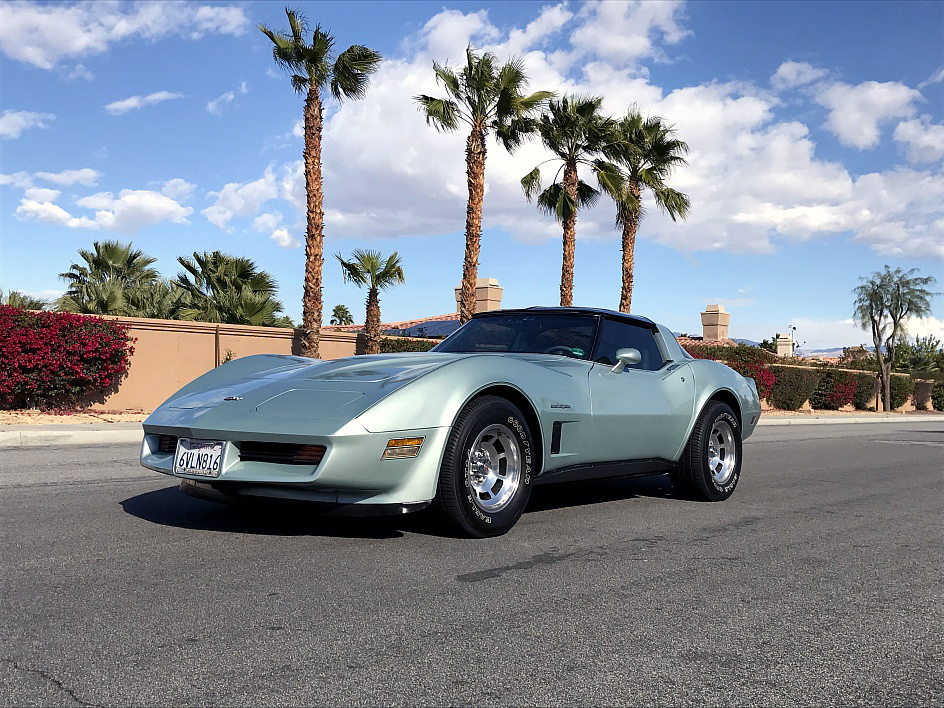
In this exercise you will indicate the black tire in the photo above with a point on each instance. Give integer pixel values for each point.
(706, 471)
(487, 470)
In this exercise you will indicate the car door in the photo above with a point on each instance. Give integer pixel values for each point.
(643, 411)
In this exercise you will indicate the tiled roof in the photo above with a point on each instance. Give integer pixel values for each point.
(686, 341)
(406, 324)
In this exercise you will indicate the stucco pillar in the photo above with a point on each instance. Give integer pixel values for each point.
(785, 345)
(488, 295)
(714, 323)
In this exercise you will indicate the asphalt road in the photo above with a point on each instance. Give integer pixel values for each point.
(818, 583)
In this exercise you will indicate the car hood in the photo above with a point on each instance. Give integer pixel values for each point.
(239, 395)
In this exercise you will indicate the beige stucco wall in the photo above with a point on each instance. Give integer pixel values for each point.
(171, 353)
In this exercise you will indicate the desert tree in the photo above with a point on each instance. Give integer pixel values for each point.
(315, 68)
(883, 303)
(487, 97)
(576, 132)
(370, 268)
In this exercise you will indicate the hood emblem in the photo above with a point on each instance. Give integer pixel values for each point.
(233, 398)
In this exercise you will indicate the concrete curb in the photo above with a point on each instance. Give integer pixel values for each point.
(852, 419)
(54, 436)
(130, 433)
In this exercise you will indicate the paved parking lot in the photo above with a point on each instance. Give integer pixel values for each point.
(818, 583)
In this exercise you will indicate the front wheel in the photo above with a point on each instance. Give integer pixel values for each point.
(710, 466)
(486, 473)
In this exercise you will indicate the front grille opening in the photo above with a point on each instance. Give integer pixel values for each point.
(280, 453)
(167, 443)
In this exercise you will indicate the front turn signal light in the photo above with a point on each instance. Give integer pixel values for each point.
(398, 448)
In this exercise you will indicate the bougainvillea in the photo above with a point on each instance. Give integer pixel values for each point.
(835, 390)
(54, 359)
(746, 363)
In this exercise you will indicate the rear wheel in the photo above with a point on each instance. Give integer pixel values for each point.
(711, 463)
(486, 473)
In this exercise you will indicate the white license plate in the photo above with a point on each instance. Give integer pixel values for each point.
(199, 457)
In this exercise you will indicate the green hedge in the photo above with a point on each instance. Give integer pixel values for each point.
(901, 388)
(937, 396)
(741, 354)
(835, 390)
(864, 397)
(793, 387)
(389, 345)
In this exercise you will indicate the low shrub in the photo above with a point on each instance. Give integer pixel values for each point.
(835, 390)
(55, 359)
(864, 397)
(937, 396)
(901, 388)
(744, 359)
(793, 387)
(389, 345)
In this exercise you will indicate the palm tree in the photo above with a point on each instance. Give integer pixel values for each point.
(369, 268)
(485, 97)
(112, 271)
(161, 300)
(340, 315)
(313, 67)
(576, 132)
(883, 303)
(648, 151)
(222, 288)
(23, 301)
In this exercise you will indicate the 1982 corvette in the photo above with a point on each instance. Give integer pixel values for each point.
(512, 399)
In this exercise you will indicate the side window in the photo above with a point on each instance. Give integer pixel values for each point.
(620, 335)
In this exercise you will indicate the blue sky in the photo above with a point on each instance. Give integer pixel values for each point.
(815, 131)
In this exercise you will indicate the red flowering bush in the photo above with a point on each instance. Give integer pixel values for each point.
(746, 360)
(53, 359)
(835, 390)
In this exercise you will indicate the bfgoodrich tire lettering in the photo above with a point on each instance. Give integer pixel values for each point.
(486, 474)
(711, 464)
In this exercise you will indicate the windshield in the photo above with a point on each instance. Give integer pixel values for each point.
(567, 335)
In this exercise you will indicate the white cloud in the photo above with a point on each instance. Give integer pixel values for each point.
(85, 176)
(298, 129)
(923, 327)
(267, 222)
(42, 34)
(116, 108)
(38, 194)
(624, 32)
(178, 189)
(282, 237)
(49, 213)
(13, 123)
(216, 105)
(856, 112)
(134, 209)
(924, 140)
(80, 72)
(23, 180)
(791, 74)
(241, 199)
(935, 78)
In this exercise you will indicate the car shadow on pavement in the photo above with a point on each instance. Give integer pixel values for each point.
(169, 507)
(598, 491)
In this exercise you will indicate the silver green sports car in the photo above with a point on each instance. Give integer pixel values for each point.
(512, 399)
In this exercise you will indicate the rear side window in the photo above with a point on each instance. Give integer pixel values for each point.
(622, 335)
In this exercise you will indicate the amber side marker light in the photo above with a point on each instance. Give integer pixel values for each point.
(398, 448)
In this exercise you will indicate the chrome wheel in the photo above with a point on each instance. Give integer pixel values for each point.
(722, 453)
(494, 468)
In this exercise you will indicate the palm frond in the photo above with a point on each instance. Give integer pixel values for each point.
(531, 183)
(440, 113)
(350, 76)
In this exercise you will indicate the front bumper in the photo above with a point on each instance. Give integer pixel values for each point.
(351, 472)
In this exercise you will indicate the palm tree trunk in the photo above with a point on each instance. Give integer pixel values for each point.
(372, 323)
(630, 224)
(570, 234)
(314, 236)
(475, 176)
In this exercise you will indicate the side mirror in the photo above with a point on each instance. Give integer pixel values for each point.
(626, 357)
